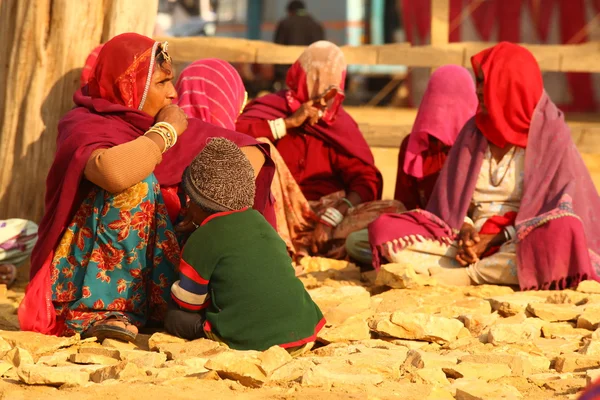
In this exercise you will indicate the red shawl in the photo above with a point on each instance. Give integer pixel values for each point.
(512, 87)
(343, 133)
(102, 120)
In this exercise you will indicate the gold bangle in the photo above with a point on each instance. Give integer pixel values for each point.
(162, 134)
(169, 128)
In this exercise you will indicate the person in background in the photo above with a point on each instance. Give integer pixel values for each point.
(514, 204)
(298, 29)
(237, 284)
(330, 163)
(17, 238)
(449, 102)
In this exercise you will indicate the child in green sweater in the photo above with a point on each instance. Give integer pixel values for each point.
(237, 284)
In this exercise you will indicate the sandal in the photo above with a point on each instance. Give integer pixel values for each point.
(10, 277)
(102, 331)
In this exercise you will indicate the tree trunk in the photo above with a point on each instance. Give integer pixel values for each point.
(44, 44)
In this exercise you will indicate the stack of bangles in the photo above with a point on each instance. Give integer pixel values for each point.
(332, 217)
(167, 132)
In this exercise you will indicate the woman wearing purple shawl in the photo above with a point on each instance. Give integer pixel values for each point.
(514, 203)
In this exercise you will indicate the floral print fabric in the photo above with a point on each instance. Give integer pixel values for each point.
(116, 257)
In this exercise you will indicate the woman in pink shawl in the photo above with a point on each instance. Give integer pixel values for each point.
(514, 203)
(449, 102)
(327, 160)
(107, 252)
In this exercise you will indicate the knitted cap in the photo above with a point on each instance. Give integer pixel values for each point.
(220, 178)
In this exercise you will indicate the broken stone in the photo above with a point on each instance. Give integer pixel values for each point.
(589, 287)
(5, 367)
(513, 304)
(410, 344)
(58, 359)
(292, 371)
(422, 359)
(591, 347)
(273, 358)
(590, 319)
(569, 385)
(554, 312)
(477, 371)
(18, 357)
(195, 348)
(512, 333)
(398, 276)
(417, 326)
(576, 363)
(143, 359)
(4, 346)
(465, 306)
(518, 365)
(478, 323)
(333, 349)
(241, 366)
(487, 291)
(353, 329)
(340, 303)
(119, 345)
(52, 376)
(433, 376)
(101, 351)
(438, 393)
(468, 389)
(563, 330)
(591, 376)
(80, 358)
(36, 343)
(326, 376)
(162, 338)
(122, 370)
(543, 378)
(554, 347)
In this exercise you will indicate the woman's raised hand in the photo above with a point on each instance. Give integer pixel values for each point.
(175, 116)
(305, 112)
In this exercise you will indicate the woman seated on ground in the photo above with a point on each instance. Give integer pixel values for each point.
(255, 299)
(325, 152)
(17, 238)
(514, 203)
(449, 102)
(107, 252)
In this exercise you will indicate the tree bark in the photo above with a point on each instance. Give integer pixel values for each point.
(44, 44)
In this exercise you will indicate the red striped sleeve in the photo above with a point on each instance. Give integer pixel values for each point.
(189, 272)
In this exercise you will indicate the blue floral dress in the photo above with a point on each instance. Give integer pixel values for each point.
(117, 256)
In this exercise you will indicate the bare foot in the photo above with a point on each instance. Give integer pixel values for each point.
(8, 274)
(119, 323)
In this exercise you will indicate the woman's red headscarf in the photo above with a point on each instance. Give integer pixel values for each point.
(211, 90)
(512, 87)
(90, 63)
(107, 114)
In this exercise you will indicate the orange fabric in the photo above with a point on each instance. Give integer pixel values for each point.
(512, 87)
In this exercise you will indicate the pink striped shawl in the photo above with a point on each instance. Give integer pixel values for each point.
(211, 90)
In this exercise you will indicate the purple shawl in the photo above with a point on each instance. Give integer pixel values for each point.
(558, 231)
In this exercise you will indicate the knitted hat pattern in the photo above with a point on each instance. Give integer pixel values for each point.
(220, 178)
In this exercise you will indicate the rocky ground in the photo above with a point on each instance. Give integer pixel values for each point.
(395, 337)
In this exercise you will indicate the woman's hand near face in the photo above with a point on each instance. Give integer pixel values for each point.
(174, 116)
(305, 112)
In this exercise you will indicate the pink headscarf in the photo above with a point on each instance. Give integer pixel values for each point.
(211, 90)
(449, 102)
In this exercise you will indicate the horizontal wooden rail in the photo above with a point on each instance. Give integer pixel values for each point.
(566, 58)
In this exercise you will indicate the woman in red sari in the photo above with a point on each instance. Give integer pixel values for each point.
(107, 249)
(324, 150)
